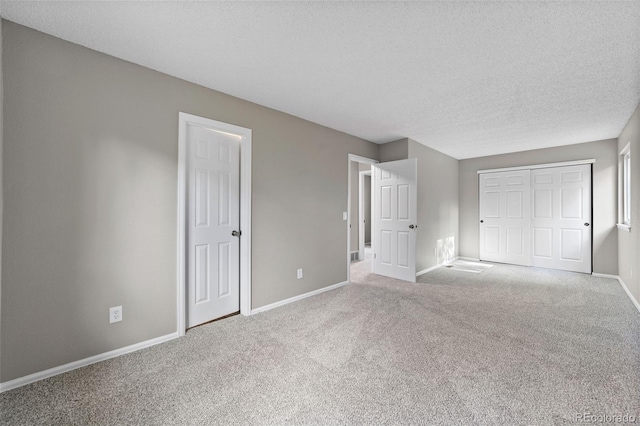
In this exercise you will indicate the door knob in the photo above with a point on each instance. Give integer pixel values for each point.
(586, 224)
(482, 221)
(412, 226)
(236, 233)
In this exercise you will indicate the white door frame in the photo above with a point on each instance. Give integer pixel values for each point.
(361, 226)
(357, 159)
(245, 212)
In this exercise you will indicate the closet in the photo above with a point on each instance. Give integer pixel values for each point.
(537, 216)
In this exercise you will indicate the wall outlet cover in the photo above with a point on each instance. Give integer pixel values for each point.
(115, 314)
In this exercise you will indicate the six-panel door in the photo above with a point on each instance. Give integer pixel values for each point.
(394, 219)
(504, 217)
(539, 217)
(561, 218)
(213, 288)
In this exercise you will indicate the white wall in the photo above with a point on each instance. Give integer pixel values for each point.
(629, 242)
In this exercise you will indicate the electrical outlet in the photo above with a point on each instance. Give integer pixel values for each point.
(299, 273)
(115, 314)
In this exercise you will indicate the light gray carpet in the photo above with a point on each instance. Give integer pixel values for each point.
(511, 345)
(466, 266)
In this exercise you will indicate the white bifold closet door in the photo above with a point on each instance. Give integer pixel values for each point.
(561, 218)
(505, 217)
(539, 217)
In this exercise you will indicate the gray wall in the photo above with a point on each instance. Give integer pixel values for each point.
(90, 187)
(605, 236)
(437, 198)
(367, 209)
(1, 185)
(392, 151)
(629, 242)
(437, 204)
(367, 202)
(356, 168)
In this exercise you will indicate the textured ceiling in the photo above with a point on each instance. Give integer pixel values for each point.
(466, 78)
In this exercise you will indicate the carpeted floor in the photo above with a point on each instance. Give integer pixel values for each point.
(511, 345)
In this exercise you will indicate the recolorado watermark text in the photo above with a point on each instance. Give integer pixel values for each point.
(587, 417)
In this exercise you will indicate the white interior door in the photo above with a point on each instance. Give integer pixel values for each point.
(213, 213)
(561, 221)
(394, 218)
(505, 217)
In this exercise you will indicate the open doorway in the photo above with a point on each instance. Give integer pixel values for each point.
(364, 212)
(393, 217)
(359, 213)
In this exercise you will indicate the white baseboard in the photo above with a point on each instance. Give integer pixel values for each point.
(424, 271)
(31, 378)
(296, 298)
(599, 275)
(633, 300)
(433, 268)
(469, 259)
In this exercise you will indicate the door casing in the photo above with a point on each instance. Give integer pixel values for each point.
(185, 119)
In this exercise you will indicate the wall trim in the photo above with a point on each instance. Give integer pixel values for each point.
(245, 212)
(599, 275)
(424, 271)
(540, 166)
(45, 374)
(623, 227)
(469, 259)
(433, 268)
(297, 298)
(626, 289)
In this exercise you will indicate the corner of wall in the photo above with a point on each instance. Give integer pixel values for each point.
(1, 183)
(438, 206)
(393, 151)
(628, 242)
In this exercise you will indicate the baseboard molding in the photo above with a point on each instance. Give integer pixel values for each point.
(31, 378)
(633, 300)
(599, 275)
(424, 271)
(433, 268)
(469, 259)
(296, 298)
